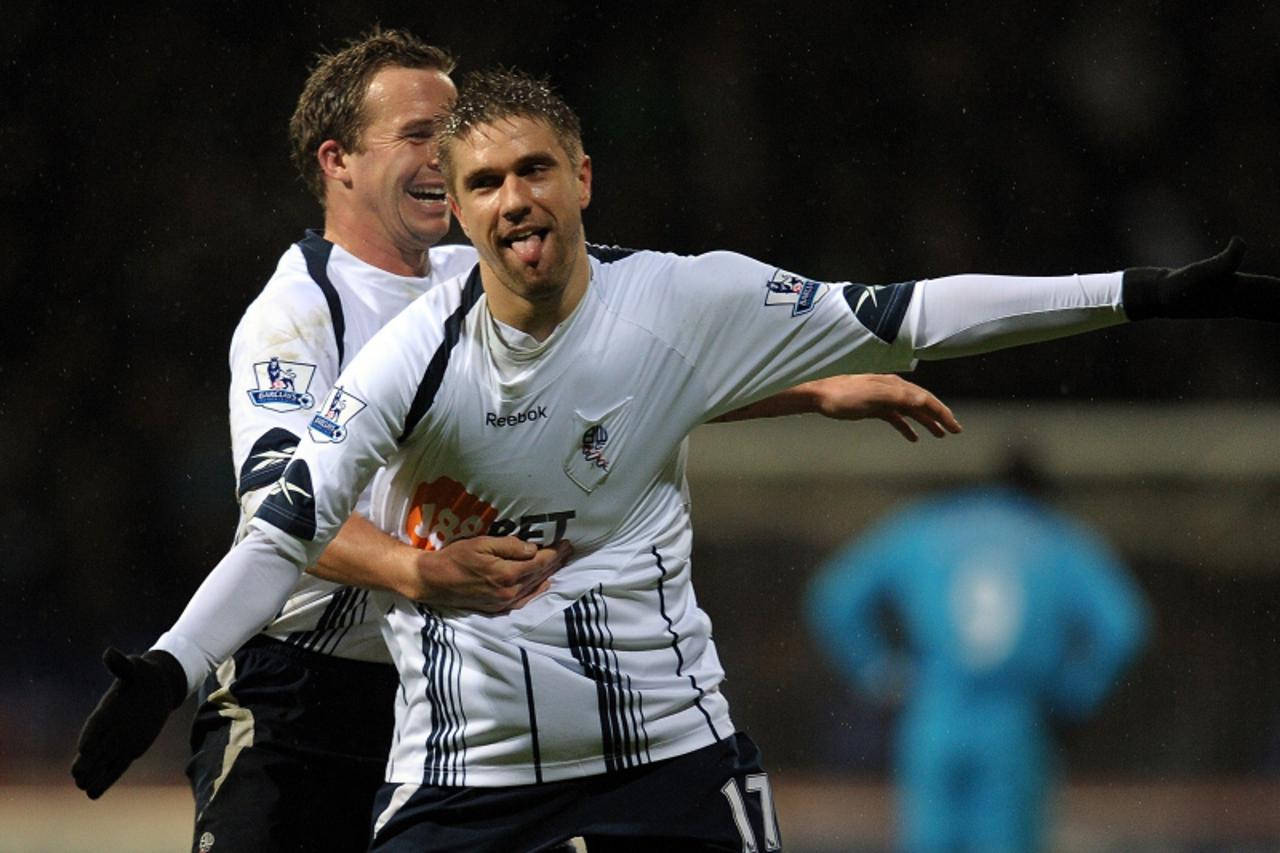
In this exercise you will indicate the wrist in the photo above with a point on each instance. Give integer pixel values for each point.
(1140, 293)
(194, 662)
(808, 398)
(172, 675)
(415, 579)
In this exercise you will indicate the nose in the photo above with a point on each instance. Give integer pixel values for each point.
(514, 199)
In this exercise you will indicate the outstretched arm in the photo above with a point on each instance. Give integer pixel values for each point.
(241, 595)
(887, 397)
(774, 330)
(963, 315)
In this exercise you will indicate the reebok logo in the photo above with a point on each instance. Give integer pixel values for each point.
(493, 419)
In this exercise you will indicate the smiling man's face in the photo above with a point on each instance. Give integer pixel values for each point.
(397, 188)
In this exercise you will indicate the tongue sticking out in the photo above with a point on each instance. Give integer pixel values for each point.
(528, 250)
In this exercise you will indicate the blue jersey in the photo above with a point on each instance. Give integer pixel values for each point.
(996, 595)
(1010, 614)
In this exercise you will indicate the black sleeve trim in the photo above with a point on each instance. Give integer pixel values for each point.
(880, 307)
(608, 254)
(266, 460)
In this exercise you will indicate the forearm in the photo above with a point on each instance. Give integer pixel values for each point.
(240, 596)
(969, 314)
(802, 399)
(485, 574)
(363, 555)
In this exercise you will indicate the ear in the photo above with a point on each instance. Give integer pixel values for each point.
(333, 161)
(584, 182)
(457, 214)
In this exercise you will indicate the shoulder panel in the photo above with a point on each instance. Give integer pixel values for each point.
(608, 254)
(434, 375)
(316, 250)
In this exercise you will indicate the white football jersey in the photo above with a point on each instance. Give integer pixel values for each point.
(316, 312)
(582, 437)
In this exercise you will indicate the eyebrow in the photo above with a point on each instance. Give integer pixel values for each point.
(420, 124)
(535, 158)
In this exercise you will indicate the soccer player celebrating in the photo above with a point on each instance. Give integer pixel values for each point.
(293, 730)
(549, 393)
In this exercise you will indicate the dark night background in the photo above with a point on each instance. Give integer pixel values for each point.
(148, 195)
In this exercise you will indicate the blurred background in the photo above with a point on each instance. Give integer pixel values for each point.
(147, 196)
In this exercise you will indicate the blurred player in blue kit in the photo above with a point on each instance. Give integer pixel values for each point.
(1011, 618)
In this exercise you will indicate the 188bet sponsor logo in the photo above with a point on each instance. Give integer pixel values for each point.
(443, 510)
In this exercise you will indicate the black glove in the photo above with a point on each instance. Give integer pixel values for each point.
(128, 718)
(1208, 288)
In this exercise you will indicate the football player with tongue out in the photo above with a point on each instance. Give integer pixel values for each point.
(597, 709)
(294, 726)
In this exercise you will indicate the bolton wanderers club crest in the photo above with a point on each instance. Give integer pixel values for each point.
(282, 385)
(788, 289)
(592, 448)
(594, 441)
(330, 422)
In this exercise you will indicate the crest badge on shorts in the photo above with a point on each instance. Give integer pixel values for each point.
(330, 423)
(283, 385)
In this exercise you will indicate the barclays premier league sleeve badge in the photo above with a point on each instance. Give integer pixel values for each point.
(330, 423)
(282, 385)
(801, 294)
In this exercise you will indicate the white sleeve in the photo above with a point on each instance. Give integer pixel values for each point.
(963, 315)
(282, 364)
(242, 595)
(301, 513)
(353, 432)
(751, 329)
(350, 436)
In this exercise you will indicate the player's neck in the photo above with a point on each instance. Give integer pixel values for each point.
(375, 249)
(538, 315)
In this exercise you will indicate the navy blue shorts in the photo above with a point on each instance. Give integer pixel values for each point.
(715, 798)
(291, 756)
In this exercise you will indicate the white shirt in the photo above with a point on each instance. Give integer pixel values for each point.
(583, 437)
(285, 355)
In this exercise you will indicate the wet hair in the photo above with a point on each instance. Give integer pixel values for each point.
(331, 105)
(486, 97)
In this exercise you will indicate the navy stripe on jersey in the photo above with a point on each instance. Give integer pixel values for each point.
(266, 460)
(623, 739)
(608, 254)
(316, 250)
(446, 749)
(533, 717)
(880, 307)
(675, 644)
(347, 606)
(434, 375)
(291, 503)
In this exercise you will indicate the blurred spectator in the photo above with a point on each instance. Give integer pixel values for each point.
(995, 620)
